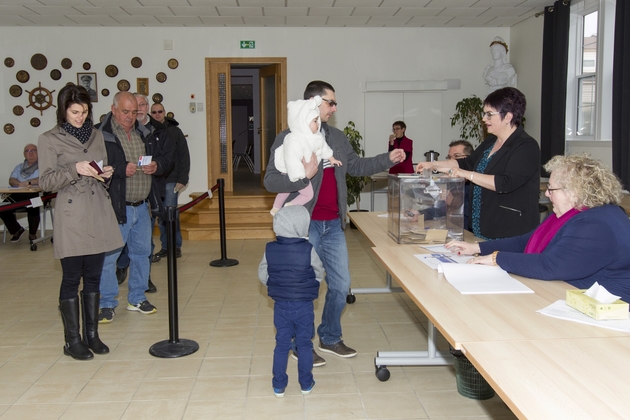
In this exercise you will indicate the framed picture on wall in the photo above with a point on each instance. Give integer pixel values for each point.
(142, 85)
(88, 81)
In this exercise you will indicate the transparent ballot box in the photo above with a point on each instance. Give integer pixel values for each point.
(425, 208)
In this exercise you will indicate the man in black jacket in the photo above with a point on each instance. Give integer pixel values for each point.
(138, 157)
(176, 180)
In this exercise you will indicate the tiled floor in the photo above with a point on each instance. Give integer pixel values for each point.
(226, 311)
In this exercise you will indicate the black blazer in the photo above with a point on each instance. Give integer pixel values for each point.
(512, 209)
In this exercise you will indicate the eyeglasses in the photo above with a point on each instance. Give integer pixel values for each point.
(489, 114)
(396, 129)
(551, 190)
(30, 150)
(330, 102)
(157, 112)
(456, 156)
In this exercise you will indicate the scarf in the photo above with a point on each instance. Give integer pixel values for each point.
(546, 231)
(27, 171)
(83, 133)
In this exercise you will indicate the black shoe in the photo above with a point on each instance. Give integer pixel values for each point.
(17, 235)
(121, 274)
(317, 359)
(157, 257)
(338, 349)
(178, 252)
(152, 288)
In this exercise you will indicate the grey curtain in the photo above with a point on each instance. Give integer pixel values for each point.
(554, 80)
(621, 94)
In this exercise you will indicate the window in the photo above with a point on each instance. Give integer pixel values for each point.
(589, 76)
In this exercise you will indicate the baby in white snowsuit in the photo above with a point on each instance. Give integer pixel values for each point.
(304, 139)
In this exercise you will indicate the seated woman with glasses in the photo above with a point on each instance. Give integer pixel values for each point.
(504, 170)
(585, 240)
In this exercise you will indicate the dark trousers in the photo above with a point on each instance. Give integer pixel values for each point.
(89, 267)
(10, 221)
(293, 319)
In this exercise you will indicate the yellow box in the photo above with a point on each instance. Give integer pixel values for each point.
(600, 311)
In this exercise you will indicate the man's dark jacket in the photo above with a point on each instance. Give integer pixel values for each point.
(157, 145)
(181, 167)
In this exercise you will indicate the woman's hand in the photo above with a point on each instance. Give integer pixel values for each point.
(482, 260)
(391, 139)
(437, 165)
(84, 169)
(108, 171)
(463, 248)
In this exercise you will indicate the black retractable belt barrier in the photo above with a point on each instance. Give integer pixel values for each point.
(224, 261)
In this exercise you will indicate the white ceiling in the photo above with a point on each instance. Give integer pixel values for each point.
(276, 13)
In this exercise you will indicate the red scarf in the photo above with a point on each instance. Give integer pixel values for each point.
(546, 231)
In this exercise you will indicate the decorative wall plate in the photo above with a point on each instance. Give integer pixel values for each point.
(136, 62)
(123, 85)
(170, 114)
(161, 77)
(22, 76)
(55, 74)
(66, 63)
(87, 66)
(9, 128)
(35, 122)
(15, 91)
(105, 92)
(9, 62)
(18, 110)
(173, 63)
(157, 98)
(102, 117)
(111, 70)
(39, 61)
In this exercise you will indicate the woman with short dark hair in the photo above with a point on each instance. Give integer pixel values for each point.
(71, 155)
(504, 170)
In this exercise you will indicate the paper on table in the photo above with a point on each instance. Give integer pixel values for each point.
(559, 309)
(436, 260)
(473, 279)
(382, 215)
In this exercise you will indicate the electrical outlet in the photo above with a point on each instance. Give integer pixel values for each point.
(200, 106)
(193, 108)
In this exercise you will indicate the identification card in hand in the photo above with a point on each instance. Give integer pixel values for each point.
(98, 167)
(144, 160)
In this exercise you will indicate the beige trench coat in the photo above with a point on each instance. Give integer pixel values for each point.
(84, 222)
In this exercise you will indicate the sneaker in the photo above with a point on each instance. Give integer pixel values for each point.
(144, 307)
(309, 389)
(157, 257)
(152, 288)
(338, 349)
(17, 235)
(106, 315)
(279, 392)
(178, 252)
(121, 274)
(317, 359)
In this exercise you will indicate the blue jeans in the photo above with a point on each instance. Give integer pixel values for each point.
(170, 200)
(329, 241)
(293, 319)
(136, 233)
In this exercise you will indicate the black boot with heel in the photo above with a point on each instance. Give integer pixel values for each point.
(90, 302)
(69, 309)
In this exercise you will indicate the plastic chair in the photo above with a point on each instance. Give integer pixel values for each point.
(245, 156)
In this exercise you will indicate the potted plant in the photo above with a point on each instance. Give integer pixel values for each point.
(470, 115)
(355, 184)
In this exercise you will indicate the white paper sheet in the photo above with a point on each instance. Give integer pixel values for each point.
(473, 279)
(560, 309)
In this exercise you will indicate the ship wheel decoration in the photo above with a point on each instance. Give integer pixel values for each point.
(40, 98)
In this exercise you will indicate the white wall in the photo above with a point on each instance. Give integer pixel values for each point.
(349, 58)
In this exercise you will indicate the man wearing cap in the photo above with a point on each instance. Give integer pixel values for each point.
(86, 81)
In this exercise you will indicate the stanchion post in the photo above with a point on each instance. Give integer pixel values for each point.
(174, 346)
(224, 261)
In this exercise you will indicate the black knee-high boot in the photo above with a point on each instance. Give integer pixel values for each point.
(69, 309)
(90, 303)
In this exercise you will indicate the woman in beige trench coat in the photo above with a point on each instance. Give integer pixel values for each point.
(85, 226)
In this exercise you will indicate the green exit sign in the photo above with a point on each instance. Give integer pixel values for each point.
(248, 45)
